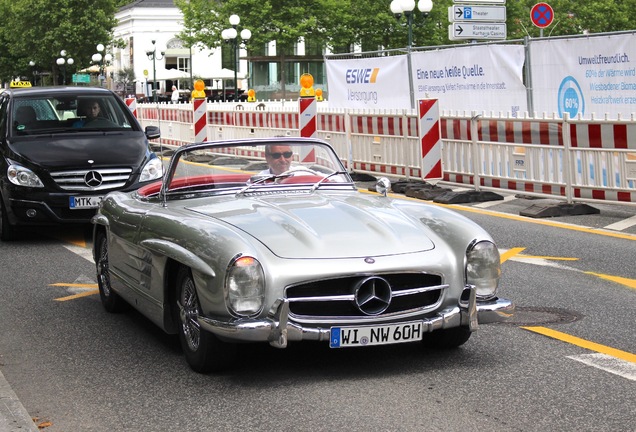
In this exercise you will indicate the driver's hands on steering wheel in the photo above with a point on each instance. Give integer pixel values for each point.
(298, 169)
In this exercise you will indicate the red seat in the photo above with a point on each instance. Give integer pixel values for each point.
(302, 179)
(202, 180)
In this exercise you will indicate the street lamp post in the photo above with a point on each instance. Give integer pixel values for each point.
(406, 7)
(152, 55)
(32, 64)
(230, 35)
(63, 61)
(102, 62)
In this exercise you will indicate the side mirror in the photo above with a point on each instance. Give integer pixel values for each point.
(383, 185)
(152, 132)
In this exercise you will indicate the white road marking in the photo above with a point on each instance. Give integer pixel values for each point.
(81, 251)
(609, 364)
(623, 224)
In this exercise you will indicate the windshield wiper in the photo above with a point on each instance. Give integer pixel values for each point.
(319, 182)
(261, 180)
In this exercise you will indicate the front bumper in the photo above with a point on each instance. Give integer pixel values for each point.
(42, 207)
(277, 330)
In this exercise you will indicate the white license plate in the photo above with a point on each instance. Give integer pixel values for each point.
(84, 202)
(375, 335)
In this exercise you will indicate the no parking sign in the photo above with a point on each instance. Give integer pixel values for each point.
(541, 15)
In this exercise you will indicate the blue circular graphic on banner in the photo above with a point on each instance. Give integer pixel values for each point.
(570, 99)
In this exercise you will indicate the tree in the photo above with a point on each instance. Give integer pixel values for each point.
(37, 30)
(125, 77)
(571, 17)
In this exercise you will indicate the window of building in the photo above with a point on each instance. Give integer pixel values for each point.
(179, 63)
(313, 48)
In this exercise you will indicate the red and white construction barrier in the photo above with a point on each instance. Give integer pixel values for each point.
(505, 131)
(603, 135)
(307, 112)
(132, 105)
(200, 119)
(430, 139)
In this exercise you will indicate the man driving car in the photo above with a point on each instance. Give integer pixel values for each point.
(278, 157)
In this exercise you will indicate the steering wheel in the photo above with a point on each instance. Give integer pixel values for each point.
(300, 169)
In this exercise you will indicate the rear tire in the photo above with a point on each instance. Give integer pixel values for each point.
(447, 338)
(111, 301)
(203, 351)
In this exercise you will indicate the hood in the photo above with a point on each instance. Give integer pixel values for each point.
(320, 226)
(126, 148)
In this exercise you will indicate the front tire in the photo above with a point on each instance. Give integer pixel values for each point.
(111, 301)
(203, 351)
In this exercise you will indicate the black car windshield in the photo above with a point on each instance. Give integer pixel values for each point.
(68, 113)
(258, 166)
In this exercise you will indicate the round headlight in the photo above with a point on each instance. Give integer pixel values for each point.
(483, 268)
(245, 286)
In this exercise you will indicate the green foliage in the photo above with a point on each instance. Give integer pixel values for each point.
(37, 30)
(341, 24)
(125, 77)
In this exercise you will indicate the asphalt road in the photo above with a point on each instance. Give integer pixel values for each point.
(567, 363)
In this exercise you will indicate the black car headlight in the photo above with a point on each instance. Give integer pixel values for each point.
(152, 170)
(483, 268)
(245, 286)
(22, 176)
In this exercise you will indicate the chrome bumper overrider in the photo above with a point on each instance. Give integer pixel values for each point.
(277, 330)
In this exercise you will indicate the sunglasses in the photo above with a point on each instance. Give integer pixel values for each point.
(277, 155)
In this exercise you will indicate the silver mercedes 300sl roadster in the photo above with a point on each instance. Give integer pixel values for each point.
(269, 240)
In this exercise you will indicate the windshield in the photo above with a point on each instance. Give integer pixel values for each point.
(68, 113)
(248, 167)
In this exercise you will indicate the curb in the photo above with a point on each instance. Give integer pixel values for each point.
(13, 416)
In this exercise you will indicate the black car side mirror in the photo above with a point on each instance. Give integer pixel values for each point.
(152, 132)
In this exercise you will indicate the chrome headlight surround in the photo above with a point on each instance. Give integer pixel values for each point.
(483, 268)
(21, 176)
(245, 286)
(152, 170)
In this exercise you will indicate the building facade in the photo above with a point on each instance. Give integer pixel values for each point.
(144, 21)
(152, 26)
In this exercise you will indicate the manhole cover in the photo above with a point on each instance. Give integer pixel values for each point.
(531, 316)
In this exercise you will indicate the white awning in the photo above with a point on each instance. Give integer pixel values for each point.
(168, 74)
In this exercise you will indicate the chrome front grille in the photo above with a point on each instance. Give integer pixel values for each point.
(339, 300)
(92, 180)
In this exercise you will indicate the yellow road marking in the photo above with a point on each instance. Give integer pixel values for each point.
(552, 258)
(91, 292)
(75, 296)
(510, 253)
(76, 285)
(80, 243)
(592, 346)
(620, 280)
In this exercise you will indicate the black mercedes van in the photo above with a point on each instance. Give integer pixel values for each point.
(64, 148)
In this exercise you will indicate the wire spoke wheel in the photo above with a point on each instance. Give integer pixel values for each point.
(189, 310)
(111, 301)
(203, 351)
